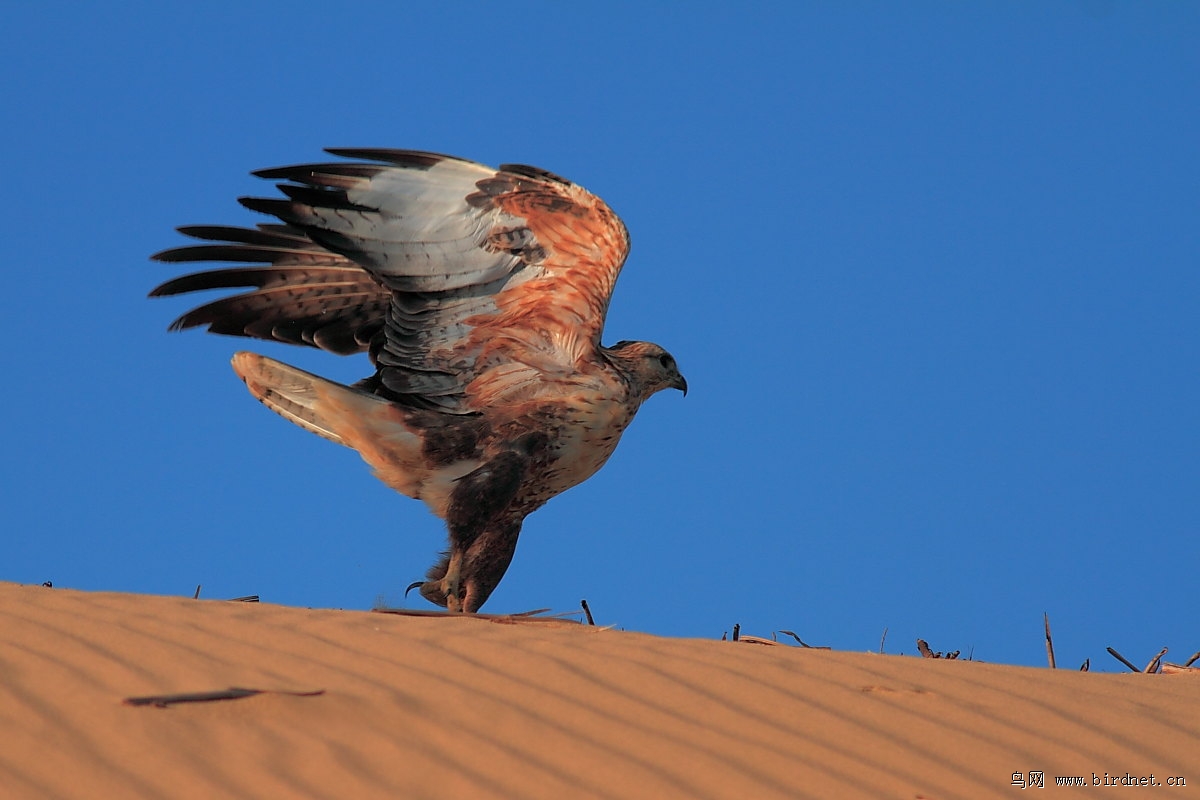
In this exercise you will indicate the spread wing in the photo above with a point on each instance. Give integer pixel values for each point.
(463, 281)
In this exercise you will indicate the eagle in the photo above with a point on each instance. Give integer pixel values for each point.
(479, 295)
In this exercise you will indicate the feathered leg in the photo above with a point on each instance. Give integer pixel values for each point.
(483, 529)
(478, 499)
(479, 568)
(485, 562)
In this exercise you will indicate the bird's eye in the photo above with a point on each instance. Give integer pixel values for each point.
(666, 360)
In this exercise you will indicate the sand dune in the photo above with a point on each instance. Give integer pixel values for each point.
(420, 707)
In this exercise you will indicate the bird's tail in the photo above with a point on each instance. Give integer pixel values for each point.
(297, 395)
(369, 424)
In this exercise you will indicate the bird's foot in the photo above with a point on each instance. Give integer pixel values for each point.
(442, 585)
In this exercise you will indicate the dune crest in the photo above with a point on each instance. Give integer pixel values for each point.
(420, 707)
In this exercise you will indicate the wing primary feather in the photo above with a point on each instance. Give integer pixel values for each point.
(270, 205)
(420, 159)
(221, 279)
(240, 252)
(534, 172)
(332, 199)
(312, 174)
(264, 235)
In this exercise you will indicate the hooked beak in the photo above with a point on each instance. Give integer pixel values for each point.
(681, 384)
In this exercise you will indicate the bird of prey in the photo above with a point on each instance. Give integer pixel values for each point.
(479, 295)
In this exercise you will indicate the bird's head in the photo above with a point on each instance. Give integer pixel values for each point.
(648, 367)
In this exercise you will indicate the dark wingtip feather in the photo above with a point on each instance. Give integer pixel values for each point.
(180, 285)
(264, 235)
(217, 252)
(534, 172)
(422, 159)
(277, 173)
(321, 198)
(319, 174)
(268, 205)
(180, 323)
(161, 255)
(235, 278)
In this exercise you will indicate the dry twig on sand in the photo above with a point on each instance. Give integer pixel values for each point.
(232, 693)
(1152, 667)
(1049, 641)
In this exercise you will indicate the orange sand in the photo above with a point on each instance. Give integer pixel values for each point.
(418, 707)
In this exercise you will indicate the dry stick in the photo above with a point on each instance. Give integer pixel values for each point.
(923, 648)
(1154, 662)
(1121, 658)
(196, 596)
(737, 629)
(881, 638)
(1195, 657)
(532, 613)
(587, 611)
(1087, 663)
(232, 693)
(802, 642)
(1049, 641)
(794, 636)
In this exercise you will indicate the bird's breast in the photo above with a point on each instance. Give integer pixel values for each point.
(586, 434)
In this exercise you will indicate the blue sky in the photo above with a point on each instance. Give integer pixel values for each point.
(931, 270)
